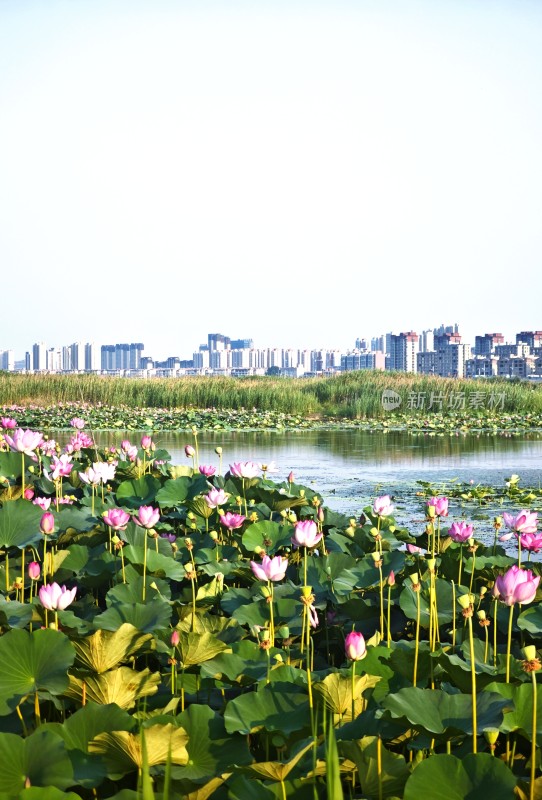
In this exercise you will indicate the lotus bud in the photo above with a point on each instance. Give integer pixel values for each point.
(291, 478)
(491, 735)
(188, 567)
(374, 532)
(497, 522)
(191, 515)
(391, 578)
(174, 638)
(263, 635)
(47, 523)
(529, 652)
(193, 526)
(321, 515)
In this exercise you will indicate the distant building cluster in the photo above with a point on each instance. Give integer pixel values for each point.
(432, 352)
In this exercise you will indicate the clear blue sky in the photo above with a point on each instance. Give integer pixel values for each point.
(302, 173)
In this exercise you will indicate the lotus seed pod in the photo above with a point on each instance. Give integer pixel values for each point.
(464, 600)
(529, 651)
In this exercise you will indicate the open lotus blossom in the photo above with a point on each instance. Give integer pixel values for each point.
(8, 423)
(147, 516)
(245, 469)
(516, 586)
(99, 472)
(78, 441)
(232, 521)
(78, 423)
(382, 506)
(60, 467)
(531, 542)
(56, 598)
(42, 502)
(413, 549)
(440, 504)
(271, 569)
(524, 522)
(313, 616)
(208, 470)
(116, 518)
(48, 447)
(460, 532)
(268, 468)
(24, 441)
(216, 498)
(306, 534)
(354, 646)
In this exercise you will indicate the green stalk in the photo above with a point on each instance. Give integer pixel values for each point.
(460, 563)
(415, 676)
(379, 766)
(352, 678)
(389, 616)
(144, 588)
(509, 643)
(271, 616)
(473, 684)
(381, 601)
(453, 617)
(533, 740)
(22, 474)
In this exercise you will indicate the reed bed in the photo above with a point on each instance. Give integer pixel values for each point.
(353, 395)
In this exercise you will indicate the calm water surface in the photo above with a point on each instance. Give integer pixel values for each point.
(350, 467)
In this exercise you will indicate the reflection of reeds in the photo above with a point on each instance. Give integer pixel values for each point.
(353, 395)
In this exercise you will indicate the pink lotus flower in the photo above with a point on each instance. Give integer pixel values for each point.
(216, 498)
(34, 571)
(78, 423)
(459, 532)
(189, 451)
(413, 549)
(391, 578)
(524, 522)
(440, 504)
(232, 521)
(48, 447)
(271, 569)
(207, 470)
(116, 518)
(24, 441)
(382, 506)
(42, 502)
(516, 586)
(531, 542)
(147, 443)
(7, 423)
(313, 616)
(78, 441)
(291, 478)
(175, 638)
(147, 516)
(55, 598)
(306, 534)
(245, 469)
(355, 647)
(99, 472)
(28, 493)
(47, 523)
(61, 467)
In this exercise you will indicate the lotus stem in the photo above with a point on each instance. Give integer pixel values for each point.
(389, 617)
(472, 573)
(473, 683)
(271, 615)
(495, 612)
(144, 588)
(533, 740)
(453, 617)
(352, 685)
(381, 600)
(22, 574)
(509, 643)
(22, 475)
(415, 675)
(7, 572)
(460, 564)
(379, 766)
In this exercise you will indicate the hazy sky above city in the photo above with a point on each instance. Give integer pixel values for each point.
(302, 173)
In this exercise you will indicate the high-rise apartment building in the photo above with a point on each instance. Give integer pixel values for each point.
(39, 356)
(403, 350)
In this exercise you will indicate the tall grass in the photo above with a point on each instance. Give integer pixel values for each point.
(355, 395)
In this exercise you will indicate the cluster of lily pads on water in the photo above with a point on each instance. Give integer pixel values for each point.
(101, 416)
(201, 630)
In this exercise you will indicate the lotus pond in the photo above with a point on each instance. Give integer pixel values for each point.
(201, 630)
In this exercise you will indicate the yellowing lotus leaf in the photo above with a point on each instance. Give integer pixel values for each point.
(123, 751)
(122, 686)
(336, 692)
(195, 648)
(107, 649)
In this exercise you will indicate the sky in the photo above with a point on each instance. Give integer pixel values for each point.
(299, 173)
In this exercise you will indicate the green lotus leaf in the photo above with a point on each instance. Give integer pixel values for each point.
(132, 590)
(530, 620)
(408, 602)
(79, 519)
(92, 719)
(147, 617)
(200, 507)
(178, 490)
(123, 686)
(269, 708)
(41, 759)
(156, 562)
(445, 777)
(519, 714)
(123, 751)
(196, 648)
(74, 560)
(138, 492)
(32, 662)
(14, 614)
(107, 649)
(439, 713)
(271, 536)
(394, 769)
(211, 750)
(11, 465)
(19, 524)
(40, 793)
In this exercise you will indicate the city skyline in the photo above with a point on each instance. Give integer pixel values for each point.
(305, 172)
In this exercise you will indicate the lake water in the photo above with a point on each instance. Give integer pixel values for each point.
(350, 467)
